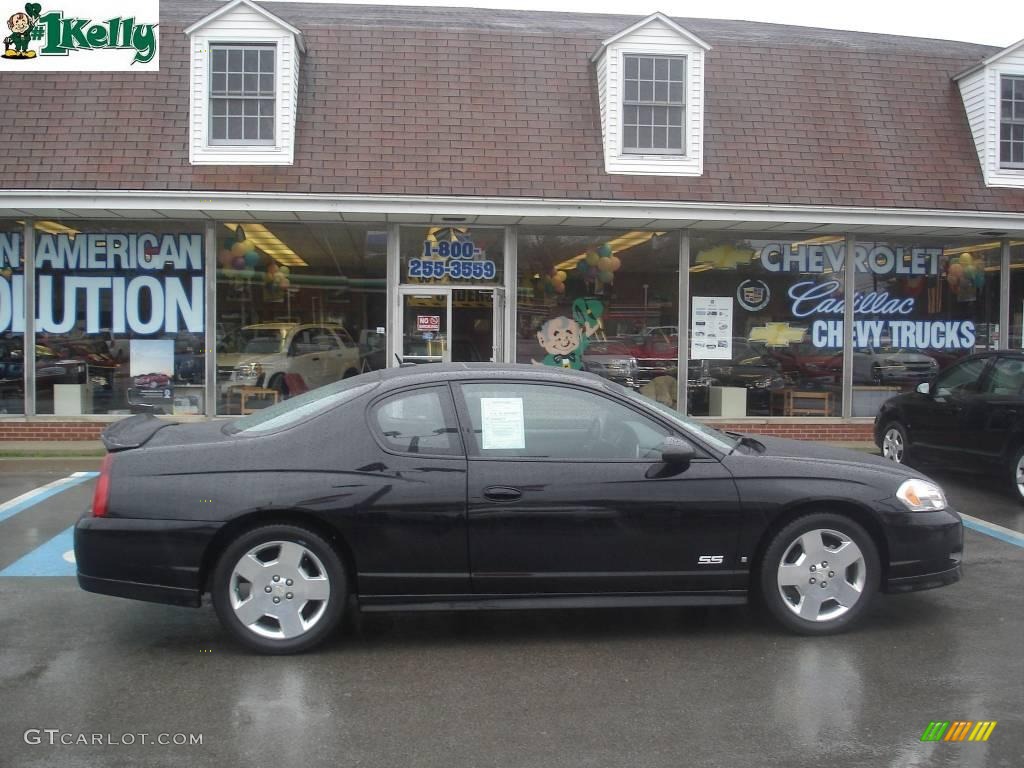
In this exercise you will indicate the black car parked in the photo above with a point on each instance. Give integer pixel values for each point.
(970, 417)
(493, 486)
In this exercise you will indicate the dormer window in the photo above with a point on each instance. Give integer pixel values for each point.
(1011, 121)
(242, 94)
(244, 87)
(654, 105)
(651, 90)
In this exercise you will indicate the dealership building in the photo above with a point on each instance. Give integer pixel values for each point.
(770, 227)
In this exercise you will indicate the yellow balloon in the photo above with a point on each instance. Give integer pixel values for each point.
(560, 275)
(242, 248)
(592, 259)
(604, 264)
(616, 263)
(966, 259)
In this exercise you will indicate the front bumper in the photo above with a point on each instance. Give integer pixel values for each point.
(154, 560)
(925, 550)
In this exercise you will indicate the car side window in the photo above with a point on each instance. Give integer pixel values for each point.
(961, 379)
(301, 343)
(1006, 377)
(418, 421)
(324, 340)
(552, 422)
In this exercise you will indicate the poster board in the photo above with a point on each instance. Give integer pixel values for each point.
(502, 426)
(711, 328)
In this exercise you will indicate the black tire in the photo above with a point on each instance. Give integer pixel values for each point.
(783, 602)
(226, 589)
(1016, 482)
(894, 441)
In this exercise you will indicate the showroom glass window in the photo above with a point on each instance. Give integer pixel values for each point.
(919, 307)
(601, 300)
(766, 333)
(1015, 339)
(12, 318)
(298, 306)
(121, 316)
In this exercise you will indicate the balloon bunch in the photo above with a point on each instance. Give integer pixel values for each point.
(600, 265)
(964, 272)
(6, 272)
(239, 259)
(554, 283)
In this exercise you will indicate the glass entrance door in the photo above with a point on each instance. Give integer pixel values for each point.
(425, 322)
(442, 324)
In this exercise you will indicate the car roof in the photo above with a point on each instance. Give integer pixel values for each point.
(287, 326)
(414, 374)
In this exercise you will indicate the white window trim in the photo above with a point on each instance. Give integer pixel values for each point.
(624, 153)
(996, 175)
(280, 153)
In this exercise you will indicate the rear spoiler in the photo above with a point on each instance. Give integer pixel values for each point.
(132, 432)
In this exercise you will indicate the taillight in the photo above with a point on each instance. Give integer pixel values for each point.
(101, 493)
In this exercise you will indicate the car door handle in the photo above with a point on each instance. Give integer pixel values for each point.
(317, 358)
(502, 493)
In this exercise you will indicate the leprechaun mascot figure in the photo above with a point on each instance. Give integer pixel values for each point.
(21, 24)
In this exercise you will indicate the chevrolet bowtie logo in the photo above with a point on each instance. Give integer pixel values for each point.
(725, 256)
(777, 334)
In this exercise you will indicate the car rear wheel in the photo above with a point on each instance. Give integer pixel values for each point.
(894, 443)
(279, 589)
(819, 574)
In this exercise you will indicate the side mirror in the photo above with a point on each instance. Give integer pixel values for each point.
(924, 388)
(675, 450)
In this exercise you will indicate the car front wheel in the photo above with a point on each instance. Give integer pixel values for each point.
(1017, 474)
(279, 589)
(894, 442)
(819, 574)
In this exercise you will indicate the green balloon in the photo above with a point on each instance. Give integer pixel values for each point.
(604, 250)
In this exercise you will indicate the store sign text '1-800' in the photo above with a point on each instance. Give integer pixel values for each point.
(137, 303)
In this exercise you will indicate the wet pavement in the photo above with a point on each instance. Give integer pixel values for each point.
(629, 688)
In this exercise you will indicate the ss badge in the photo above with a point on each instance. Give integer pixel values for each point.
(710, 559)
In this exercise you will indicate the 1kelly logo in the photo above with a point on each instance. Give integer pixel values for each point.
(61, 35)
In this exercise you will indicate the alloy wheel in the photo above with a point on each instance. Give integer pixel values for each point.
(892, 446)
(279, 590)
(1019, 475)
(821, 575)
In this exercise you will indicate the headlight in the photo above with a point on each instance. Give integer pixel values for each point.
(921, 496)
(249, 370)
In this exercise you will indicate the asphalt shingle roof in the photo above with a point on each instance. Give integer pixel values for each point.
(456, 101)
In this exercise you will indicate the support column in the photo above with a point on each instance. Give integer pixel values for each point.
(849, 287)
(210, 319)
(28, 262)
(683, 322)
(1004, 297)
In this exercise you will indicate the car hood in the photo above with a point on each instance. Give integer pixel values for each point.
(235, 359)
(840, 459)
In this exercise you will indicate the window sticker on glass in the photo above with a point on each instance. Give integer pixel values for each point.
(501, 423)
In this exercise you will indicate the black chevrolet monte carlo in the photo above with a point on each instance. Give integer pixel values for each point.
(487, 486)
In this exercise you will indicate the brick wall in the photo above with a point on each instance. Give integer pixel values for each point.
(834, 430)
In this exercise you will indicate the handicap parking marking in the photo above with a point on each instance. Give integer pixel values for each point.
(36, 495)
(56, 557)
(995, 531)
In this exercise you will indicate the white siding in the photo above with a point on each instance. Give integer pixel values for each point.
(972, 89)
(244, 25)
(660, 39)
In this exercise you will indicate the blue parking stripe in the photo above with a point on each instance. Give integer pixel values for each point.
(993, 530)
(36, 495)
(47, 559)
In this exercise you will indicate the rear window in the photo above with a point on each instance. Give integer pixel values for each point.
(302, 407)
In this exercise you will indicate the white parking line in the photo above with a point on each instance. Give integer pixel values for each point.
(36, 495)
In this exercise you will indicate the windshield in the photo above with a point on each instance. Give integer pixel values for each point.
(301, 407)
(719, 440)
(261, 341)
